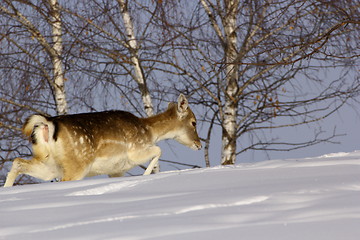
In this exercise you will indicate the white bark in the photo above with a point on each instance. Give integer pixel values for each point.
(133, 48)
(58, 72)
(231, 89)
(228, 112)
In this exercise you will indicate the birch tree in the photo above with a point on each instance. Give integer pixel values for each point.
(243, 61)
(263, 43)
(53, 47)
(55, 53)
(229, 113)
(111, 24)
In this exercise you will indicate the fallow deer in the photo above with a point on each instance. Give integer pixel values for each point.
(71, 147)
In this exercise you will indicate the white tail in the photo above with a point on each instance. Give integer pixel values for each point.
(71, 147)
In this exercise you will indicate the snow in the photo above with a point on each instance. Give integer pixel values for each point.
(313, 198)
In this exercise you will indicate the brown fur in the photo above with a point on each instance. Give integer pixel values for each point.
(71, 147)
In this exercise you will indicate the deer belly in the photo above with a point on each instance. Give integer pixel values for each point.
(110, 165)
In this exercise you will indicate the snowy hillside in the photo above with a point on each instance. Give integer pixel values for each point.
(316, 198)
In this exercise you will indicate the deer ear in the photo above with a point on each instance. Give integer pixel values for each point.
(182, 104)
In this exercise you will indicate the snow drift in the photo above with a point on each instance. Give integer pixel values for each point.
(314, 198)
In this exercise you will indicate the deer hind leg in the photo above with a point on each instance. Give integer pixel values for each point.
(34, 167)
(73, 176)
(74, 170)
(16, 169)
(121, 174)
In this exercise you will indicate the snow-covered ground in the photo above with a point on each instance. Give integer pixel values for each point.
(317, 198)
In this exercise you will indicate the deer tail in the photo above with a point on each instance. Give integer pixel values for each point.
(32, 121)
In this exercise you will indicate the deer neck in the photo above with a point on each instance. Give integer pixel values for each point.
(163, 125)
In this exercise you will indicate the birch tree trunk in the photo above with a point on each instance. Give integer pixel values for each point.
(231, 89)
(58, 72)
(134, 58)
(228, 113)
(133, 48)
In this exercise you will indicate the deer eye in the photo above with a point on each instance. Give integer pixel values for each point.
(194, 124)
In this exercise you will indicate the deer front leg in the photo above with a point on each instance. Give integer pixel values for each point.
(151, 165)
(144, 155)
